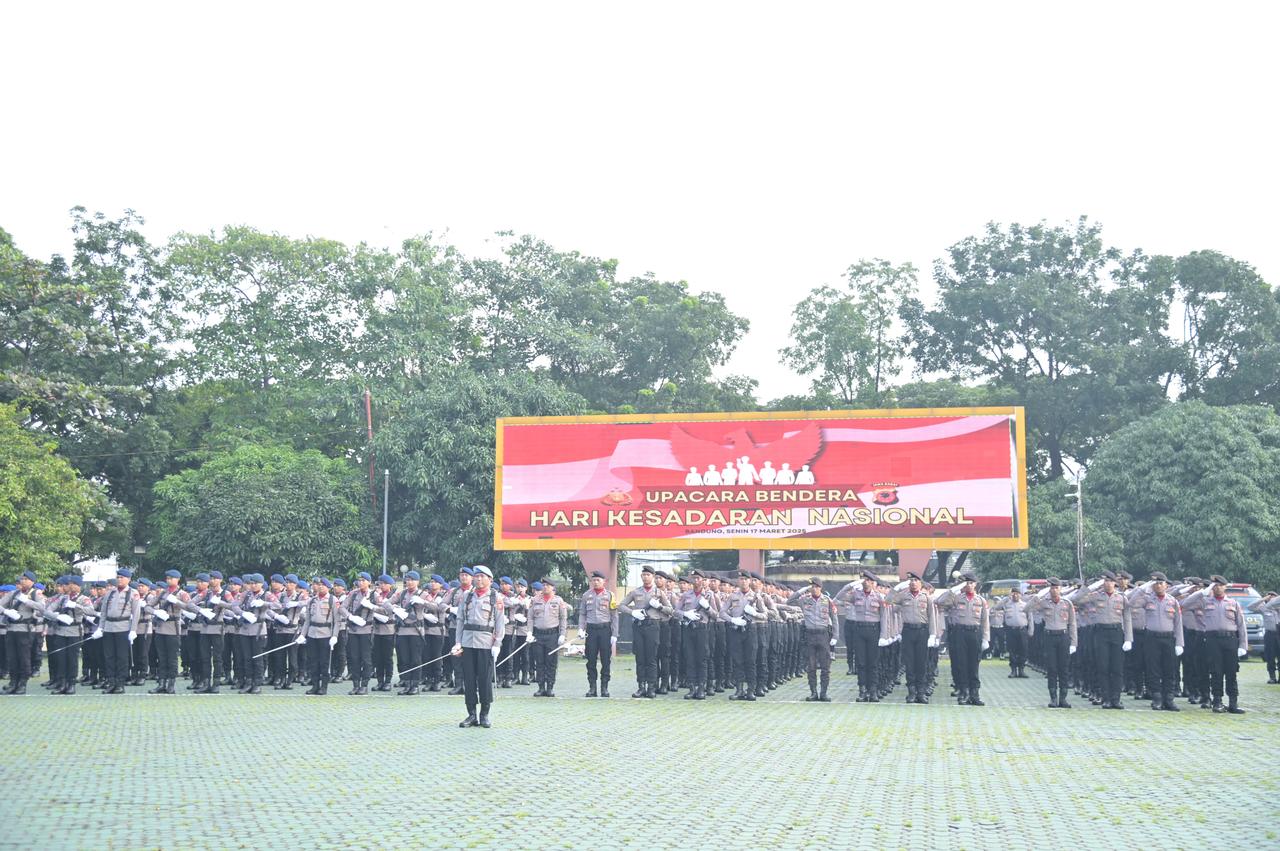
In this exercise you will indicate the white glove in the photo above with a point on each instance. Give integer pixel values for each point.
(400, 612)
(884, 642)
(160, 614)
(453, 610)
(738, 621)
(957, 589)
(704, 602)
(13, 613)
(68, 603)
(97, 633)
(430, 618)
(357, 620)
(381, 618)
(250, 617)
(901, 586)
(417, 600)
(638, 614)
(1095, 585)
(457, 650)
(366, 603)
(333, 641)
(1241, 652)
(1071, 650)
(933, 641)
(897, 638)
(517, 617)
(258, 603)
(529, 639)
(66, 620)
(280, 618)
(561, 641)
(23, 598)
(613, 639)
(132, 636)
(833, 642)
(1127, 646)
(986, 645)
(301, 639)
(654, 604)
(293, 604)
(692, 614)
(582, 633)
(750, 609)
(496, 651)
(1177, 651)
(208, 613)
(170, 598)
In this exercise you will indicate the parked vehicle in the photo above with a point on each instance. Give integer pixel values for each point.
(994, 588)
(1245, 594)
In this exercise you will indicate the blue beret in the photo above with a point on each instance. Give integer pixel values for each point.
(325, 582)
(387, 579)
(146, 583)
(435, 577)
(122, 571)
(190, 587)
(453, 583)
(29, 575)
(173, 574)
(5, 589)
(73, 579)
(537, 586)
(468, 571)
(99, 583)
(304, 584)
(202, 577)
(39, 586)
(522, 582)
(235, 580)
(276, 577)
(506, 579)
(61, 580)
(340, 583)
(413, 574)
(363, 575)
(215, 574)
(291, 577)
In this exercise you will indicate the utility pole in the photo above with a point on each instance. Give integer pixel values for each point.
(1079, 495)
(386, 491)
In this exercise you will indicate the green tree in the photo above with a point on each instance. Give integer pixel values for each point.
(1231, 326)
(1194, 489)
(1051, 512)
(266, 309)
(264, 508)
(846, 339)
(1073, 327)
(43, 503)
(440, 448)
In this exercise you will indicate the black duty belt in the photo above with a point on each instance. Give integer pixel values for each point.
(1223, 633)
(119, 618)
(546, 630)
(1056, 631)
(1107, 625)
(967, 627)
(644, 623)
(474, 627)
(914, 625)
(599, 626)
(865, 624)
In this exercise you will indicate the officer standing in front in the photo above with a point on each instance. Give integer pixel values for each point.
(121, 608)
(359, 633)
(320, 633)
(598, 624)
(820, 618)
(1112, 623)
(482, 622)
(866, 608)
(1013, 611)
(919, 633)
(1162, 640)
(969, 628)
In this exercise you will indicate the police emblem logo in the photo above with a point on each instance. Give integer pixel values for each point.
(885, 493)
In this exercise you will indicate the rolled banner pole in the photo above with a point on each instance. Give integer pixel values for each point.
(69, 646)
(560, 647)
(514, 652)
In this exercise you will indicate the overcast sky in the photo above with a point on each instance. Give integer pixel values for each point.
(755, 150)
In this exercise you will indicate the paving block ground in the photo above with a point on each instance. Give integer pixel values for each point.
(287, 771)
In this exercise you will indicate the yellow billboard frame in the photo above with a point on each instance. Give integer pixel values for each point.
(942, 542)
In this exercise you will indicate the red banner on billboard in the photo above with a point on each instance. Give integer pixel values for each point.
(939, 478)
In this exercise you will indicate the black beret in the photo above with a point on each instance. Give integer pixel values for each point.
(1159, 577)
(866, 574)
(969, 576)
(1054, 581)
(744, 574)
(813, 580)
(913, 575)
(646, 569)
(1217, 580)
(1126, 575)
(1106, 574)
(595, 574)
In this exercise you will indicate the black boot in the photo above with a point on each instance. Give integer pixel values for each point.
(212, 687)
(324, 685)
(484, 717)
(159, 689)
(68, 688)
(1217, 705)
(1157, 700)
(255, 687)
(1233, 705)
(604, 687)
(1169, 705)
(591, 690)
(470, 721)
(1062, 699)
